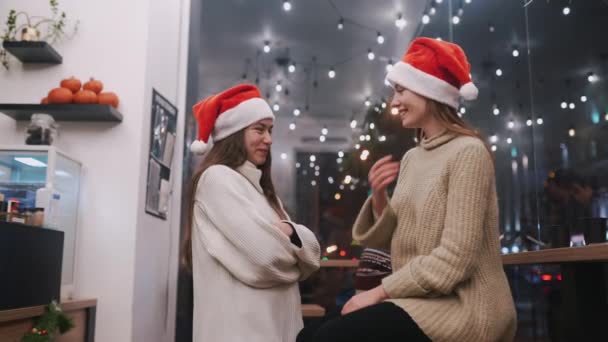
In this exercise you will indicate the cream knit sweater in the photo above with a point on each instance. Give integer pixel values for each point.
(245, 270)
(441, 226)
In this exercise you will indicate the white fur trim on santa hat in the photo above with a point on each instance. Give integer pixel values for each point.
(199, 147)
(244, 114)
(469, 91)
(423, 84)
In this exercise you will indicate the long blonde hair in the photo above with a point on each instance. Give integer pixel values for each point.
(450, 120)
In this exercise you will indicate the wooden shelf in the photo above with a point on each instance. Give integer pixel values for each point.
(35, 311)
(312, 310)
(591, 253)
(63, 112)
(33, 52)
(340, 263)
(594, 252)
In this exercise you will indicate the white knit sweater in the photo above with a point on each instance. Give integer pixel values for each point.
(245, 270)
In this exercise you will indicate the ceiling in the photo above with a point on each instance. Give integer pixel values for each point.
(563, 50)
(234, 31)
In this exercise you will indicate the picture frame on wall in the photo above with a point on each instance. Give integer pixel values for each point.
(163, 132)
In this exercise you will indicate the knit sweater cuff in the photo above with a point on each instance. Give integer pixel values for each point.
(402, 284)
(371, 231)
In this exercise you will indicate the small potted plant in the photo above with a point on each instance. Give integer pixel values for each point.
(29, 28)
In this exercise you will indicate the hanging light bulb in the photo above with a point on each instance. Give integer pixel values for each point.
(292, 68)
(592, 78)
(511, 124)
(364, 155)
(564, 105)
(368, 138)
(353, 124)
(298, 165)
(400, 22)
(438, 1)
(496, 110)
(340, 154)
(572, 132)
(515, 52)
(347, 179)
(380, 38)
(491, 28)
(606, 116)
(389, 65)
(292, 126)
(331, 73)
(583, 98)
(370, 55)
(433, 10)
(455, 20)
(276, 107)
(266, 46)
(357, 146)
(382, 138)
(383, 105)
(296, 112)
(313, 183)
(539, 121)
(367, 102)
(372, 125)
(463, 110)
(572, 105)
(322, 138)
(426, 19)
(286, 6)
(362, 138)
(278, 87)
(509, 141)
(529, 122)
(341, 24)
(494, 139)
(312, 158)
(498, 72)
(566, 10)
(467, 1)
(494, 148)
(283, 156)
(324, 131)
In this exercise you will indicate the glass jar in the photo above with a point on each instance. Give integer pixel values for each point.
(42, 130)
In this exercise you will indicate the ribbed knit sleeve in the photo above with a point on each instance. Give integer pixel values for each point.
(471, 176)
(250, 247)
(309, 253)
(375, 233)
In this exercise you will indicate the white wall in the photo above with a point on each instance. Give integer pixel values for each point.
(120, 43)
(156, 263)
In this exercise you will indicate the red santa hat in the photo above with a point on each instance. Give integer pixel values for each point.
(228, 112)
(435, 69)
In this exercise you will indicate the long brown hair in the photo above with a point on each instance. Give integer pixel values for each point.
(450, 120)
(229, 152)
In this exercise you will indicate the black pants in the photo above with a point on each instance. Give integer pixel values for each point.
(380, 322)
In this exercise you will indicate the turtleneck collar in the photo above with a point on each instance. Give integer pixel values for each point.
(252, 173)
(437, 140)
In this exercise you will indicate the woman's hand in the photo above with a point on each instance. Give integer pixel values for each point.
(365, 299)
(286, 228)
(381, 175)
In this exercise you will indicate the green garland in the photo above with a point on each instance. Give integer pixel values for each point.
(48, 324)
